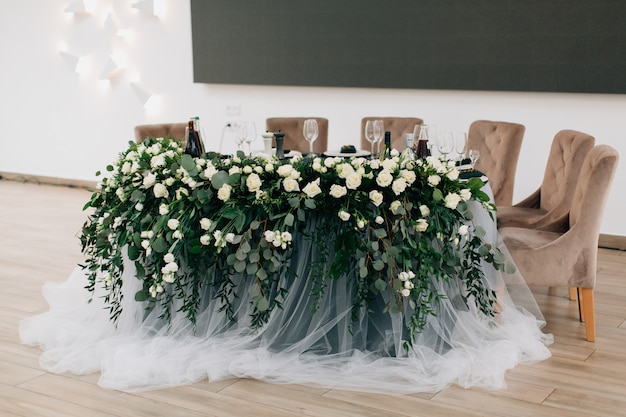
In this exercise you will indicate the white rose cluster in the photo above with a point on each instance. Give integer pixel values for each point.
(407, 284)
(277, 238)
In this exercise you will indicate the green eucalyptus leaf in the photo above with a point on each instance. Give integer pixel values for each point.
(261, 274)
(254, 257)
(254, 290)
(142, 295)
(218, 179)
(437, 195)
(262, 304)
(510, 268)
(251, 268)
(378, 265)
(187, 162)
(380, 285)
(289, 219)
(133, 252)
(363, 272)
(310, 204)
(240, 266)
(379, 233)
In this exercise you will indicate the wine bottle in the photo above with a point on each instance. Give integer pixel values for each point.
(387, 150)
(200, 135)
(193, 140)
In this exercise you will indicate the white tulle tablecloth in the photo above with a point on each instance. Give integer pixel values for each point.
(297, 346)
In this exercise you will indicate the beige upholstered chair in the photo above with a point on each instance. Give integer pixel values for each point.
(548, 207)
(398, 126)
(294, 138)
(161, 130)
(569, 259)
(499, 144)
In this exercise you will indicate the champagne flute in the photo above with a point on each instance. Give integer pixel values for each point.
(445, 144)
(474, 154)
(310, 131)
(379, 133)
(369, 133)
(250, 135)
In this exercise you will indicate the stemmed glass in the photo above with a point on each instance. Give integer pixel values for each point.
(379, 133)
(369, 133)
(242, 133)
(445, 144)
(310, 131)
(474, 154)
(460, 144)
(249, 135)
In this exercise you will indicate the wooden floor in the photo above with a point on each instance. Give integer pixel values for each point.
(39, 225)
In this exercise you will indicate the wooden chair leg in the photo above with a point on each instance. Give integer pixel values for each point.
(573, 294)
(588, 312)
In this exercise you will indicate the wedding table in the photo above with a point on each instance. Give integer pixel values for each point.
(384, 276)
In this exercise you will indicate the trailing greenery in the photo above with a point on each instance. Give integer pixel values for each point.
(393, 226)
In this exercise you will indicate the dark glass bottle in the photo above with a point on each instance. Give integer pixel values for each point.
(387, 143)
(193, 146)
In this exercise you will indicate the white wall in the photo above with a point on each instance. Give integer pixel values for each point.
(62, 124)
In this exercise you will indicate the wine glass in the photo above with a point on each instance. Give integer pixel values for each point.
(379, 133)
(310, 131)
(369, 133)
(241, 135)
(474, 154)
(460, 145)
(250, 135)
(445, 144)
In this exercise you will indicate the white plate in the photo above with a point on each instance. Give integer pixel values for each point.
(347, 154)
(466, 167)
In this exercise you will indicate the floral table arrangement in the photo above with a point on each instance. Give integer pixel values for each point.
(394, 225)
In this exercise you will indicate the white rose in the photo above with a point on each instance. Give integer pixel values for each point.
(353, 180)
(163, 209)
(338, 191)
(360, 224)
(284, 170)
(398, 186)
(149, 180)
(463, 230)
(384, 178)
(422, 225)
(209, 171)
(379, 220)
(290, 185)
(312, 189)
(224, 192)
(329, 162)
(230, 237)
(343, 170)
(160, 191)
(375, 163)
(466, 194)
(269, 168)
(409, 176)
(168, 257)
(234, 170)
(157, 161)
(376, 197)
(253, 182)
(394, 206)
(405, 292)
(138, 206)
(205, 239)
(434, 180)
(247, 169)
(173, 224)
(453, 174)
(344, 215)
(452, 200)
(205, 224)
(126, 168)
(424, 210)
(389, 164)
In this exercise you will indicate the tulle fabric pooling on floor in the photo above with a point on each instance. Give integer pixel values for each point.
(297, 346)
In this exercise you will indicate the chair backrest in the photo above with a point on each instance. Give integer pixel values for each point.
(161, 130)
(567, 154)
(398, 126)
(499, 144)
(294, 138)
(592, 192)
